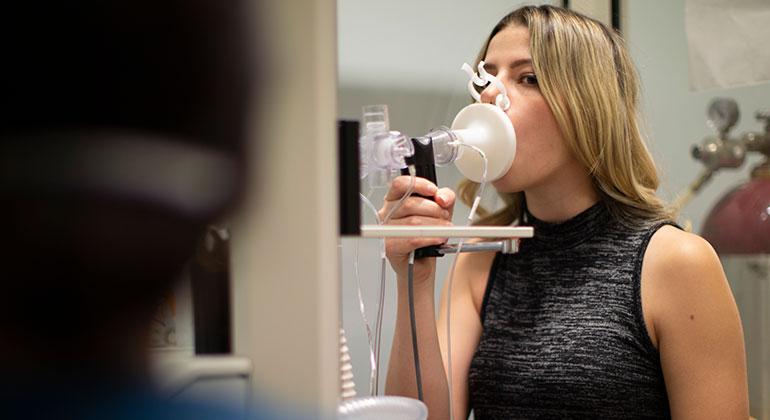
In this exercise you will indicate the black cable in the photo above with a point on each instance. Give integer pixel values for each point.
(414, 333)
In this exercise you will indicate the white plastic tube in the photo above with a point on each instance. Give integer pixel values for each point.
(381, 296)
(362, 308)
(476, 201)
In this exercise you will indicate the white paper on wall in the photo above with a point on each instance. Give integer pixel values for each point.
(728, 42)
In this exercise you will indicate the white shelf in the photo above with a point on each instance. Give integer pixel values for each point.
(175, 369)
(503, 232)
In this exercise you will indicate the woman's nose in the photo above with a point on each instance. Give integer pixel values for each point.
(489, 94)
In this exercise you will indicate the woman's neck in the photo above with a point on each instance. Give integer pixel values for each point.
(561, 199)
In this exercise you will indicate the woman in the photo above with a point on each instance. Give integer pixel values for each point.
(611, 311)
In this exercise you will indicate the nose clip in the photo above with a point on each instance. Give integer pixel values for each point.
(481, 80)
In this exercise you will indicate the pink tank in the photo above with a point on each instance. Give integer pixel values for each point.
(740, 222)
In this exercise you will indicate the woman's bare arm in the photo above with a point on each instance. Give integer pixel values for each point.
(401, 379)
(693, 319)
(470, 280)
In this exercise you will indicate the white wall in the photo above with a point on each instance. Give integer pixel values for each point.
(285, 313)
(408, 44)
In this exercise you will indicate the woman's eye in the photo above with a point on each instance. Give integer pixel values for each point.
(529, 79)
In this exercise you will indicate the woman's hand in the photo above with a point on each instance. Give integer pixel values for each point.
(416, 211)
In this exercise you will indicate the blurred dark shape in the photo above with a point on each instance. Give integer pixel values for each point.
(349, 177)
(173, 67)
(210, 282)
(122, 127)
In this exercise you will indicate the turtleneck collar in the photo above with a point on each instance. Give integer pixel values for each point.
(569, 233)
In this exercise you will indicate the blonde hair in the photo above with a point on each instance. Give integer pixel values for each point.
(588, 78)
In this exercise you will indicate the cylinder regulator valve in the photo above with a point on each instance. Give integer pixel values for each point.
(721, 151)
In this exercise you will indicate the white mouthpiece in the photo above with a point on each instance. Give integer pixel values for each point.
(488, 128)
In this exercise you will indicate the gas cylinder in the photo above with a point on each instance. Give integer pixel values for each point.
(739, 224)
(738, 227)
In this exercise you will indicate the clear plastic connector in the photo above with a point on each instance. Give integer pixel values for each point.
(375, 121)
(382, 151)
(445, 150)
(389, 150)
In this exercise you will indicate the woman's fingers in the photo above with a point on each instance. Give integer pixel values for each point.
(427, 206)
(415, 206)
(401, 184)
(400, 246)
(445, 197)
(441, 206)
(416, 210)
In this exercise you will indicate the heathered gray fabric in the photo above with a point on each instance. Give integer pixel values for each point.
(563, 332)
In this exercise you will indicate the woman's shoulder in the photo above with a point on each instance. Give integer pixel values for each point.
(674, 251)
(681, 277)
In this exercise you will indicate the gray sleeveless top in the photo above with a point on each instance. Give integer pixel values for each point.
(563, 332)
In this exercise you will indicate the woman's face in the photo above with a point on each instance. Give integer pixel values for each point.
(542, 158)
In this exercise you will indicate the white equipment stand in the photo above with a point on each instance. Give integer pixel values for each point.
(508, 245)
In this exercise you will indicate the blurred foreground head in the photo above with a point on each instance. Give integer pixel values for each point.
(122, 127)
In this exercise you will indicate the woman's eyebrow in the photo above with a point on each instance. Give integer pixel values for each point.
(516, 63)
(521, 62)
